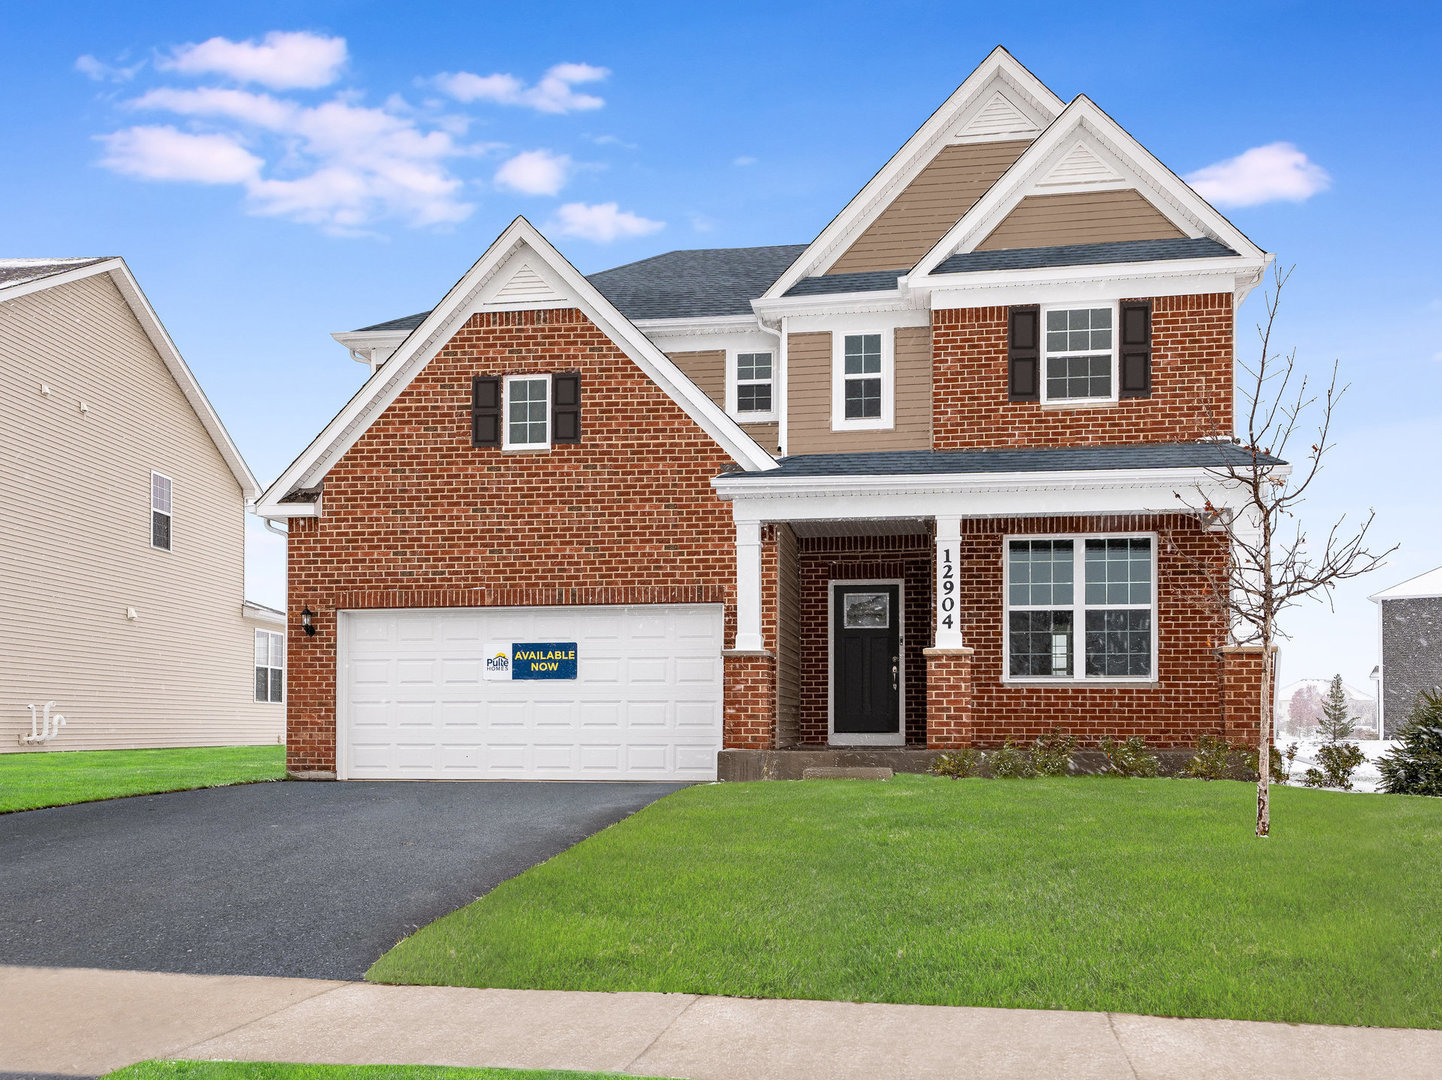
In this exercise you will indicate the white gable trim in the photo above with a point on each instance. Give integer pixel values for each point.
(1083, 125)
(488, 286)
(971, 114)
(174, 363)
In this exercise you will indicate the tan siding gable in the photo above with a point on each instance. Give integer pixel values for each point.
(928, 206)
(706, 369)
(75, 539)
(809, 397)
(1084, 217)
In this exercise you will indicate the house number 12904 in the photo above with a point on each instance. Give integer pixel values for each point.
(946, 559)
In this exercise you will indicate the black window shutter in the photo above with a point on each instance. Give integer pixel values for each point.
(1136, 349)
(485, 410)
(1024, 353)
(566, 407)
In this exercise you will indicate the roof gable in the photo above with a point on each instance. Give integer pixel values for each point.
(1422, 586)
(999, 101)
(520, 270)
(27, 276)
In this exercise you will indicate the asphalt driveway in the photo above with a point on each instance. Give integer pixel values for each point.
(302, 879)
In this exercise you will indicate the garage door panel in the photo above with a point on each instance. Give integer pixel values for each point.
(647, 702)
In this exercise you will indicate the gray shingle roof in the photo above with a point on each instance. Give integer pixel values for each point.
(866, 281)
(678, 284)
(1085, 254)
(1041, 459)
(20, 271)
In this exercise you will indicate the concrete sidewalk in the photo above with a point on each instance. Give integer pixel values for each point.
(83, 1022)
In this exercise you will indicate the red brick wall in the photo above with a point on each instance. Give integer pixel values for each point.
(1242, 693)
(415, 516)
(859, 558)
(1191, 370)
(949, 714)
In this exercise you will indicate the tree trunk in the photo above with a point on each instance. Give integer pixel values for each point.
(1264, 743)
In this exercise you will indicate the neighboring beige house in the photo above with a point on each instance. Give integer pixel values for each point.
(122, 529)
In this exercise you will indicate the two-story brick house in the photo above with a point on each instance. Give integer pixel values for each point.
(912, 485)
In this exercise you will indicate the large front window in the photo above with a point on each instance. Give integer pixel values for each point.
(1079, 354)
(1093, 596)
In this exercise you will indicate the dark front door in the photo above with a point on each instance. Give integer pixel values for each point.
(866, 661)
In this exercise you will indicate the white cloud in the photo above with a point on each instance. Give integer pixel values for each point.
(601, 222)
(611, 140)
(163, 153)
(281, 60)
(262, 110)
(1278, 171)
(534, 172)
(744, 161)
(100, 71)
(554, 93)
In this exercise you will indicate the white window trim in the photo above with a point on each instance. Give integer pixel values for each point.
(533, 376)
(150, 521)
(269, 668)
(733, 381)
(897, 738)
(1114, 397)
(887, 419)
(1079, 608)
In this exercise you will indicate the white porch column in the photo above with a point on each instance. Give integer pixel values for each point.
(748, 586)
(948, 584)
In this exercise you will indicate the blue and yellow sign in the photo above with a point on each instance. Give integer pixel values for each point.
(543, 660)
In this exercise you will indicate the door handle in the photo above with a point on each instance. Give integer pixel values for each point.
(895, 673)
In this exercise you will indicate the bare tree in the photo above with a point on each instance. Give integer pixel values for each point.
(1271, 565)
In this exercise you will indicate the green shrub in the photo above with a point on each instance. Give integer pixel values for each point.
(1339, 761)
(956, 764)
(1245, 762)
(1414, 767)
(1213, 759)
(1051, 754)
(1010, 763)
(1129, 757)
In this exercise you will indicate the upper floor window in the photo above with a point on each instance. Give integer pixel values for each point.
(754, 386)
(1079, 354)
(269, 666)
(160, 511)
(1109, 620)
(861, 382)
(528, 412)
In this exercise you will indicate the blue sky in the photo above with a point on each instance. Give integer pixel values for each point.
(349, 163)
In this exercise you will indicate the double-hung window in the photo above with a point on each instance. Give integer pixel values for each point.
(1081, 607)
(160, 511)
(754, 386)
(861, 381)
(1079, 353)
(269, 666)
(527, 412)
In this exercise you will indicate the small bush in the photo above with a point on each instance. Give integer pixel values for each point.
(1339, 761)
(1129, 758)
(1414, 766)
(1213, 759)
(1010, 763)
(1246, 759)
(955, 764)
(1051, 754)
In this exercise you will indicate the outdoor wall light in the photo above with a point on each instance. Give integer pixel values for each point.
(306, 615)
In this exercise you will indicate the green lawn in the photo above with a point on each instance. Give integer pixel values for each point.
(28, 781)
(1143, 896)
(271, 1070)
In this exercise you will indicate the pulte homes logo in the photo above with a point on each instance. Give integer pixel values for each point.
(531, 660)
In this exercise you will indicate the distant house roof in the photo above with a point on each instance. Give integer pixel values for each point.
(1116, 251)
(21, 271)
(677, 285)
(1201, 455)
(1416, 588)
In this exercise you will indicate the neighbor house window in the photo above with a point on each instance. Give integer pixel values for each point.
(754, 393)
(528, 412)
(1081, 608)
(1079, 354)
(269, 666)
(861, 382)
(160, 511)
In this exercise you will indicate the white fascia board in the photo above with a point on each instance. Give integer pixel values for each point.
(365, 340)
(1425, 586)
(915, 154)
(1107, 281)
(711, 324)
(1083, 119)
(898, 300)
(262, 613)
(465, 298)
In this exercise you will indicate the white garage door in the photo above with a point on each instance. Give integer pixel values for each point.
(415, 702)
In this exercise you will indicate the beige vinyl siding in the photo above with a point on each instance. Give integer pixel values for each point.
(75, 539)
(766, 435)
(707, 369)
(788, 639)
(1083, 217)
(808, 358)
(932, 203)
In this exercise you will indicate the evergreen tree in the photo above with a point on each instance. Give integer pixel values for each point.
(1414, 767)
(1336, 723)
